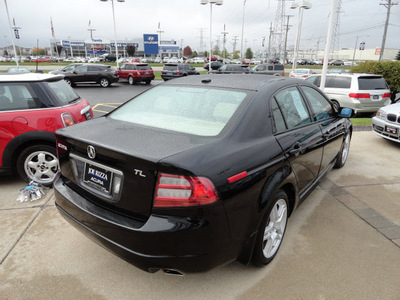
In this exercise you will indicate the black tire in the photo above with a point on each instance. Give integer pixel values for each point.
(131, 80)
(344, 152)
(69, 81)
(38, 163)
(104, 82)
(272, 230)
(147, 82)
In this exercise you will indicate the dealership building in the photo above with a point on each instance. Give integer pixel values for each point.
(148, 46)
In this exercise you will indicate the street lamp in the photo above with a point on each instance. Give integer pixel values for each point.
(205, 2)
(115, 30)
(355, 47)
(301, 5)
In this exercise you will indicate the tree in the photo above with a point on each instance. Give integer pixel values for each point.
(5, 53)
(236, 54)
(130, 49)
(205, 54)
(187, 51)
(58, 49)
(225, 54)
(194, 54)
(398, 56)
(216, 51)
(249, 53)
(38, 51)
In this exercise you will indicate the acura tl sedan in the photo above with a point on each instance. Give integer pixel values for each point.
(200, 171)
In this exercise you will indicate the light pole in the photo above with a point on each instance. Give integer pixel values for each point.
(115, 30)
(241, 46)
(301, 5)
(12, 37)
(205, 2)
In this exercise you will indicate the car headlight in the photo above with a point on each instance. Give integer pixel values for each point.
(381, 114)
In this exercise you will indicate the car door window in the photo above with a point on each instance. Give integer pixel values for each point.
(81, 69)
(321, 107)
(293, 108)
(223, 68)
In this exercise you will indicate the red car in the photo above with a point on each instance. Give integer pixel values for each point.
(32, 107)
(136, 72)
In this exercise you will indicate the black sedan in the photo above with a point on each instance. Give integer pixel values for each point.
(200, 171)
(215, 65)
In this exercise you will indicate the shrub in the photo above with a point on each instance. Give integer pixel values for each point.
(390, 70)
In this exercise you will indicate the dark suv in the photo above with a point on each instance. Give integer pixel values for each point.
(92, 73)
(233, 69)
(32, 107)
(270, 69)
(171, 71)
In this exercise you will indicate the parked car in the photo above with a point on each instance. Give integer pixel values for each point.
(32, 107)
(336, 62)
(386, 123)
(175, 70)
(94, 60)
(301, 73)
(92, 73)
(68, 68)
(136, 72)
(191, 157)
(270, 69)
(215, 65)
(365, 93)
(317, 62)
(233, 69)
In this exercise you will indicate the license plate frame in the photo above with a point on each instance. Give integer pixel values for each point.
(375, 98)
(391, 130)
(88, 115)
(98, 178)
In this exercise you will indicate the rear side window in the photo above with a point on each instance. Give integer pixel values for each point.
(372, 83)
(197, 111)
(16, 96)
(340, 82)
(278, 118)
(292, 107)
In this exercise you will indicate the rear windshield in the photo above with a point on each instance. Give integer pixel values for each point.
(301, 71)
(372, 83)
(143, 67)
(170, 68)
(63, 92)
(197, 111)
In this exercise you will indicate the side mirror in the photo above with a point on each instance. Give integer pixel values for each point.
(345, 112)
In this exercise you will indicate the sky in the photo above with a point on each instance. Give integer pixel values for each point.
(186, 20)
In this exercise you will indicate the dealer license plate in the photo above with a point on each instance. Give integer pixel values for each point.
(391, 130)
(98, 177)
(375, 97)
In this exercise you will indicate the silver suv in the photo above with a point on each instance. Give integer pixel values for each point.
(365, 93)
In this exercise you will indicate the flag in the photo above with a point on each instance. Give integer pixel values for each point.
(14, 21)
(89, 23)
(52, 28)
(158, 25)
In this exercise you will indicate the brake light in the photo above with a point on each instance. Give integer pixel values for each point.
(283, 73)
(67, 119)
(304, 76)
(386, 95)
(178, 72)
(182, 191)
(359, 95)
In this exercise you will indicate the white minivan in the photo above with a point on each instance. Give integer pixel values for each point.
(365, 93)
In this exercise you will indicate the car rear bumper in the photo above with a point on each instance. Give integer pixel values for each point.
(186, 244)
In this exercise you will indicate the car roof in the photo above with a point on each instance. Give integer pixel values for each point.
(135, 63)
(20, 77)
(231, 81)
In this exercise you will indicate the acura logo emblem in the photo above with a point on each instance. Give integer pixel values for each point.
(91, 152)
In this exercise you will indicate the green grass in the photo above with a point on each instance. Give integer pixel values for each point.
(361, 121)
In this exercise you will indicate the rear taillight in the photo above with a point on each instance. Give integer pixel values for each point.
(178, 72)
(359, 95)
(283, 73)
(67, 119)
(304, 76)
(386, 95)
(181, 191)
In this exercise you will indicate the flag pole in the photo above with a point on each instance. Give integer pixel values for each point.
(12, 37)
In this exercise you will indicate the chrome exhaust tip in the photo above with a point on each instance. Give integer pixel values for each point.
(172, 272)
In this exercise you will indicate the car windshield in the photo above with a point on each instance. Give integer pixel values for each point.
(143, 67)
(372, 83)
(170, 67)
(197, 111)
(301, 71)
(64, 93)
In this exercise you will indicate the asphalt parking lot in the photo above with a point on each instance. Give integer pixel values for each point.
(342, 243)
